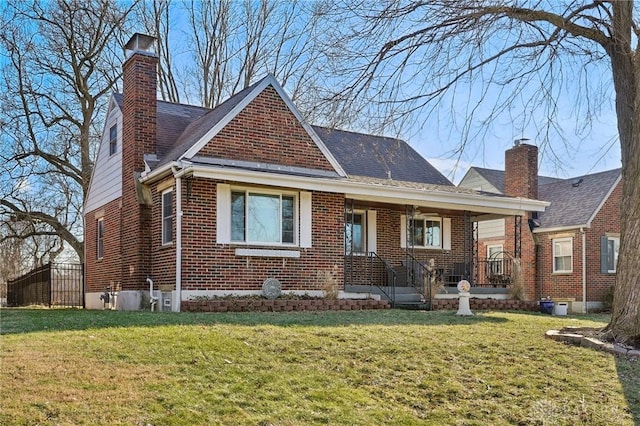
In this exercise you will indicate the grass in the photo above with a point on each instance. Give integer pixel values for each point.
(356, 368)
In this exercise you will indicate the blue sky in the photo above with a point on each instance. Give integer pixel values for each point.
(596, 151)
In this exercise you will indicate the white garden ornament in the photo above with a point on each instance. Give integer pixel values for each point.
(463, 298)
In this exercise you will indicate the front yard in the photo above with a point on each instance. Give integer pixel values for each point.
(355, 367)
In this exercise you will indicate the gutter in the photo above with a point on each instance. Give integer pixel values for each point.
(584, 270)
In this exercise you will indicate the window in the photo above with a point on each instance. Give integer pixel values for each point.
(100, 238)
(167, 217)
(563, 255)
(354, 233)
(113, 139)
(262, 217)
(427, 232)
(494, 258)
(610, 247)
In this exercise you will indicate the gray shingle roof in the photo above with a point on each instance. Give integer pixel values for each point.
(379, 157)
(574, 205)
(171, 121)
(496, 178)
(180, 126)
(570, 205)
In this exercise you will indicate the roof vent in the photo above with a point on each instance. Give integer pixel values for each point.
(576, 182)
(517, 142)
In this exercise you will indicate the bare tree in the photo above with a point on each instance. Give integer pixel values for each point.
(224, 46)
(59, 68)
(482, 59)
(156, 18)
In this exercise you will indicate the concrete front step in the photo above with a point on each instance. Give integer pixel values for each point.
(403, 295)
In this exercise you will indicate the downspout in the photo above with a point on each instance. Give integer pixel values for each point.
(177, 300)
(584, 271)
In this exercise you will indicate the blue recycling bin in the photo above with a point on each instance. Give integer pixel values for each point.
(546, 306)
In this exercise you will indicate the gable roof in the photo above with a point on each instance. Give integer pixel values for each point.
(572, 204)
(379, 157)
(496, 177)
(575, 201)
(183, 129)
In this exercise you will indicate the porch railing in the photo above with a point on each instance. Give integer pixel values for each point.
(387, 282)
(421, 276)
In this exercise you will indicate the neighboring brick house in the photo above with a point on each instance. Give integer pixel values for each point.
(572, 247)
(211, 202)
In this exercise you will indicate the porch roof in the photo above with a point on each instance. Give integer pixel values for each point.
(367, 189)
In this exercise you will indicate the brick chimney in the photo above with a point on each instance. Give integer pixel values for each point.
(521, 171)
(138, 138)
(521, 180)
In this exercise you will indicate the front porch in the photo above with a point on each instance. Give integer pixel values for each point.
(412, 258)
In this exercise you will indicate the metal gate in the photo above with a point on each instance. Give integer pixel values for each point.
(59, 285)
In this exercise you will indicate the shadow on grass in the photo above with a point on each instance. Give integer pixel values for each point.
(15, 321)
(629, 378)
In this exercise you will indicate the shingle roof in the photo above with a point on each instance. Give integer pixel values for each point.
(171, 120)
(496, 178)
(573, 203)
(181, 126)
(379, 157)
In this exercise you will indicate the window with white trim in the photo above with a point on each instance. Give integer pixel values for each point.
(495, 258)
(355, 232)
(113, 139)
(427, 232)
(563, 255)
(100, 238)
(610, 249)
(263, 217)
(167, 216)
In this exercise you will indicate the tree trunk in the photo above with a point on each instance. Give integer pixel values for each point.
(625, 321)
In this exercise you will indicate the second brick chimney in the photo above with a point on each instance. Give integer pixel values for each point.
(521, 171)
(521, 180)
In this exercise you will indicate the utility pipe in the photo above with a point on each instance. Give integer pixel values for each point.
(153, 299)
(584, 271)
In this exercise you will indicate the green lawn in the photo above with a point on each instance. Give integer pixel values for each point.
(356, 368)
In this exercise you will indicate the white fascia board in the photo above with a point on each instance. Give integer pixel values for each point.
(367, 192)
(266, 82)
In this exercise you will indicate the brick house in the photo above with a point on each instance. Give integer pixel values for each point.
(570, 250)
(211, 202)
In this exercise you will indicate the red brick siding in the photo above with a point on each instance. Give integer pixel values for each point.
(521, 171)
(267, 131)
(570, 285)
(606, 221)
(207, 265)
(388, 247)
(139, 138)
(163, 259)
(107, 271)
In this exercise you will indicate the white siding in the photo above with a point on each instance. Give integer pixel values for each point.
(473, 180)
(491, 228)
(106, 180)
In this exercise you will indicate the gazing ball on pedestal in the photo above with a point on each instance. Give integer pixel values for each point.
(464, 286)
